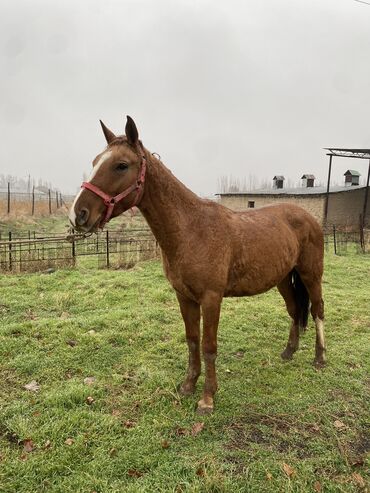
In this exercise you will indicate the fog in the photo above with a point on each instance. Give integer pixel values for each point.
(216, 88)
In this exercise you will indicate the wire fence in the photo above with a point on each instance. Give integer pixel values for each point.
(33, 202)
(30, 252)
(33, 252)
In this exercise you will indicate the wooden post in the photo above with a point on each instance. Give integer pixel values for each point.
(335, 240)
(73, 247)
(56, 199)
(33, 200)
(107, 247)
(8, 198)
(49, 201)
(10, 250)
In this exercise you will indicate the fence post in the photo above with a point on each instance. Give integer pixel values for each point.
(33, 200)
(8, 198)
(10, 250)
(49, 201)
(362, 236)
(335, 240)
(107, 247)
(56, 199)
(73, 248)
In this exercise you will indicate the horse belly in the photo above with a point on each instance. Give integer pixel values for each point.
(256, 279)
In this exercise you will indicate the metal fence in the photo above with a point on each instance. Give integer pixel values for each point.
(34, 252)
(33, 202)
(116, 249)
(342, 241)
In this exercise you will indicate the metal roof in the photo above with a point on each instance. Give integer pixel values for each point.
(278, 177)
(294, 191)
(308, 177)
(352, 172)
(355, 153)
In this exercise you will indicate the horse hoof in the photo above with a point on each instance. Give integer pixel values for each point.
(186, 389)
(287, 354)
(319, 363)
(204, 408)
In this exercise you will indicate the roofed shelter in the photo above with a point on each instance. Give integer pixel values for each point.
(349, 153)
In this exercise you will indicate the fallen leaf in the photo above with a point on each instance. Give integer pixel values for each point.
(339, 425)
(315, 427)
(69, 441)
(71, 342)
(269, 476)
(47, 444)
(359, 480)
(239, 354)
(200, 471)
(28, 445)
(90, 400)
(113, 452)
(197, 428)
(89, 380)
(317, 486)
(129, 424)
(289, 471)
(181, 431)
(165, 444)
(134, 473)
(32, 386)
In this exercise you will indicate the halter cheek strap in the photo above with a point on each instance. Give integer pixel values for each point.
(111, 200)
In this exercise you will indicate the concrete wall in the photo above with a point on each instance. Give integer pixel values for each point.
(344, 207)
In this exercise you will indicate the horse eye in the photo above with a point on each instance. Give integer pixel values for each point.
(121, 167)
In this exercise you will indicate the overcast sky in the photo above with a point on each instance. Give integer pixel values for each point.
(215, 87)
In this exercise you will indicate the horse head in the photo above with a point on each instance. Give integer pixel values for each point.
(115, 184)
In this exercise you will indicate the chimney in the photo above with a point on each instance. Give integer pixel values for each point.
(278, 181)
(308, 181)
(351, 178)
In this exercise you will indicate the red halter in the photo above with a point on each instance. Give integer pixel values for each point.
(110, 201)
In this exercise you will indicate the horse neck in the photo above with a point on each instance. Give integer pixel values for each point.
(167, 204)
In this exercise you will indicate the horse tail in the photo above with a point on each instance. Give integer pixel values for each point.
(301, 298)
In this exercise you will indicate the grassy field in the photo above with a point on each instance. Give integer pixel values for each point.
(59, 223)
(107, 351)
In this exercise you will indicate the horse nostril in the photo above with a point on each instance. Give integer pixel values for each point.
(82, 216)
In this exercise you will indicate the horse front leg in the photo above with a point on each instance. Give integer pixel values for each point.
(211, 305)
(190, 312)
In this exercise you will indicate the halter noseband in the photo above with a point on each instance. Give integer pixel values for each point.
(111, 200)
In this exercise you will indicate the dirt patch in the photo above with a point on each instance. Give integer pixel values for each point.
(279, 433)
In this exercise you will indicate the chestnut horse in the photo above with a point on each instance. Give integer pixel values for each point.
(208, 251)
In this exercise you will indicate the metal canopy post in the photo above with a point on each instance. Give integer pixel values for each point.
(351, 153)
(366, 197)
(327, 192)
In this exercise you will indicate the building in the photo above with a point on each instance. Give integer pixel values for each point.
(345, 204)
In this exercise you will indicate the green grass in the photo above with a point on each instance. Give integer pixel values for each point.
(59, 223)
(136, 435)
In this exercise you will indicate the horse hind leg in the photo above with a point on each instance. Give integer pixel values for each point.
(286, 290)
(313, 286)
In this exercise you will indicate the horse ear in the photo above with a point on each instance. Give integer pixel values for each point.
(109, 135)
(131, 131)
